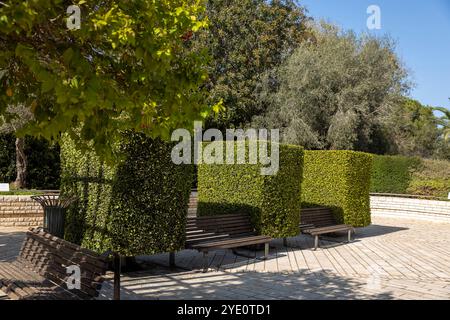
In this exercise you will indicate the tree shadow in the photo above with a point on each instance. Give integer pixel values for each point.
(160, 283)
(10, 243)
(375, 230)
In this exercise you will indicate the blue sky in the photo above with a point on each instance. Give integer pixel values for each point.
(421, 29)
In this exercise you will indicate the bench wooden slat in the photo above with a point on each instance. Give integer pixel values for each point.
(320, 220)
(222, 232)
(234, 243)
(329, 229)
(41, 269)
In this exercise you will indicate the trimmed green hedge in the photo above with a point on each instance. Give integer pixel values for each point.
(392, 174)
(340, 180)
(136, 207)
(431, 178)
(271, 200)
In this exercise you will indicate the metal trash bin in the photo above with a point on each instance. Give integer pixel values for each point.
(54, 212)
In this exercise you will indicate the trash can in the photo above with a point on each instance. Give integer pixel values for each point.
(54, 212)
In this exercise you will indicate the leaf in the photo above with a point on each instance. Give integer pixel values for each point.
(67, 55)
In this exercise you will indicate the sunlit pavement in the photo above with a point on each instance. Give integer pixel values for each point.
(391, 259)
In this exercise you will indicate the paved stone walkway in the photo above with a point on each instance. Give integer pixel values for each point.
(391, 259)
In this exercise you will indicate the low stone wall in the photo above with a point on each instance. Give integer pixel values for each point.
(20, 211)
(389, 206)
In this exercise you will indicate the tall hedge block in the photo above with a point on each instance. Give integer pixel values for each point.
(271, 200)
(340, 180)
(136, 206)
(393, 174)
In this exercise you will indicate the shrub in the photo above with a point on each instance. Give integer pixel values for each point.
(410, 175)
(392, 174)
(432, 178)
(272, 201)
(7, 158)
(136, 206)
(340, 180)
(43, 169)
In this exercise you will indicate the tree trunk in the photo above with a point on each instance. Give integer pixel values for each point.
(21, 164)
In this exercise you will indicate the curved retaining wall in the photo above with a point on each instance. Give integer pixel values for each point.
(20, 211)
(389, 206)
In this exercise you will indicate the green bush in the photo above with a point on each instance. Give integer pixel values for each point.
(137, 206)
(43, 169)
(7, 158)
(431, 178)
(271, 200)
(410, 175)
(339, 180)
(392, 174)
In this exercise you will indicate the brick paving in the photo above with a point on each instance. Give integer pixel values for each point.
(391, 259)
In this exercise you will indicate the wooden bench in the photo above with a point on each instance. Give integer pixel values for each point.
(229, 231)
(320, 220)
(40, 271)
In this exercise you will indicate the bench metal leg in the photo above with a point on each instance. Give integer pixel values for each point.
(316, 242)
(285, 242)
(205, 261)
(349, 235)
(266, 250)
(117, 267)
(172, 259)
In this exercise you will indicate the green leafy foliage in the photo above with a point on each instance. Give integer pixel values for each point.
(129, 66)
(329, 93)
(246, 39)
(444, 121)
(137, 206)
(43, 167)
(339, 180)
(411, 129)
(43, 164)
(411, 175)
(392, 174)
(7, 158)
(272, 201)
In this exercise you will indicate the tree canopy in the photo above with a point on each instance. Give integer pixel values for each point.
(444, 122)
(411, 129)
(130, 65)
(333, 92)
(246, 39)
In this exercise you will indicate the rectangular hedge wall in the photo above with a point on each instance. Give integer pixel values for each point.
(340, 180)
(392, 174)
(272, 201)
(135, 207)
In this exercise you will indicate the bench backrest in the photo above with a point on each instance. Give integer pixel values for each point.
(228, 225)
(319, 217)
(50, 256)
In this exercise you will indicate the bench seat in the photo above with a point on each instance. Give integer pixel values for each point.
(24, 284)
(232, 243)
(41, 270)
(320, 220)
(329, 229)
(228, 231)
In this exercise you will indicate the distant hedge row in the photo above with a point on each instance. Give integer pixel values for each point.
(340, 180)
(137, 206)
(43, 162)
(410, 175)
(392, 174)
(272, 201)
